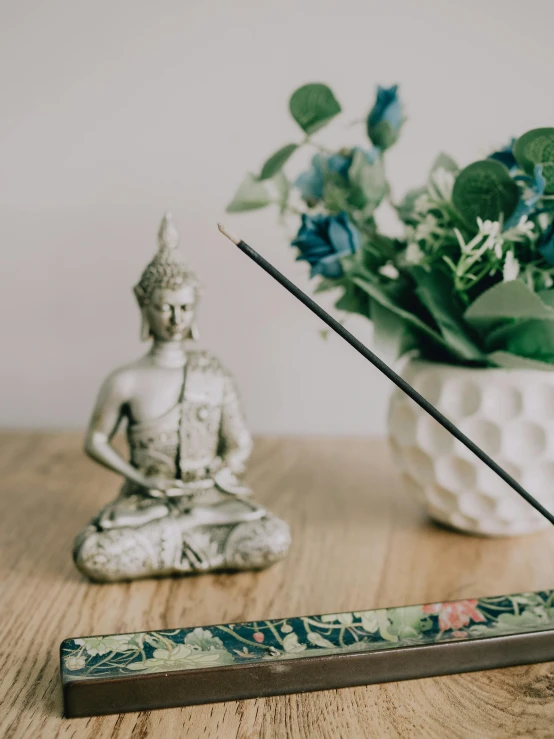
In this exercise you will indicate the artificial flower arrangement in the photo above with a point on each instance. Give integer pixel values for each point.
(469, 282)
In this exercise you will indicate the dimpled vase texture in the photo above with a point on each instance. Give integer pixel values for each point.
(508, 413)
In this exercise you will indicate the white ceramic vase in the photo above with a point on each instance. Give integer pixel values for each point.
(509, 413)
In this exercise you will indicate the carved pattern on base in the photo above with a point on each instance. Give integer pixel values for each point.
(171, 546)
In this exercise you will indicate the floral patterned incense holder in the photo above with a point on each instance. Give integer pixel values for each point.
(106, 674)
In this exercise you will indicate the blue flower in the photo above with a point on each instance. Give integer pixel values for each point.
(340, 164)
(323, 240)
(506, 156)
(370, 154)
(312, 182)
(533, 192)
(385, 118)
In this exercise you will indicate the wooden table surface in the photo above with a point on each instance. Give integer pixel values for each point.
(359, 543)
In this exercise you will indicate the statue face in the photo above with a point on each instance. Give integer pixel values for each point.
(170, 313)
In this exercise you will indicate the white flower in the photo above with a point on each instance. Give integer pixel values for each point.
(370, 621)
(524, 229)
(182, 657)
(426, 227)
(548, 281)
(494, 239)
(203, 639)
(443, 181)
(488, 228)
(489, 237)
(423, 203)
(413, 253)
(525, 226)
(96, 645)
(510, 270)
(390, 271)
(291, 644)
(75, 662)
(373, 621)
(544, 220)
(346, 619)
(461, 242)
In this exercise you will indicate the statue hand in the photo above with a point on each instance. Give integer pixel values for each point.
(227, 482)
(158, 487)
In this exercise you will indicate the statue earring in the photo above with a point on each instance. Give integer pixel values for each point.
(194, 333)
(144, 328)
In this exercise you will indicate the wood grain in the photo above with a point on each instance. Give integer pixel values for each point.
(359, 543)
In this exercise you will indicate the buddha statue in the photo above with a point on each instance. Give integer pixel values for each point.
(182, 507)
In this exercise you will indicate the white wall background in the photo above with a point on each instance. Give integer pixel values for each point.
(113, 112)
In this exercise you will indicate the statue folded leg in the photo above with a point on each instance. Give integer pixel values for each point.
(233, 535)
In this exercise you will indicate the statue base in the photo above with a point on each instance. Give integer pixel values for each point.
(238, 535)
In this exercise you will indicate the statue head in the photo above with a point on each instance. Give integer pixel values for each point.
(168, 290)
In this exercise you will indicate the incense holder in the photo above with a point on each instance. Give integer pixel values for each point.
(155, 669)
(508, 413)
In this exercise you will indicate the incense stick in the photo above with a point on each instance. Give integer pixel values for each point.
(386, 370)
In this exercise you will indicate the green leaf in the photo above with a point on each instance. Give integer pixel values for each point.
(313, 106)
(376, 249)
(380, 296)
(276, 161)
(547, 296)
(537, 147)
(485, 190)
(436, 292)
(353, 300)
(407, 622)
(383, 134)
(519, 621)
(507, 300)
(320, 641)
(443, 161)
(512, 361)
(335, 196)
(389, 331)
(326, 283)
(532, 338)
(405, 208)
(367, 182)
(282, 186)
(251, 195)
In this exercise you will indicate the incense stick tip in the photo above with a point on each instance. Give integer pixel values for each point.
(226, 233)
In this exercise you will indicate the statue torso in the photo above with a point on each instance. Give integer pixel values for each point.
(156, 391)
(174, 417)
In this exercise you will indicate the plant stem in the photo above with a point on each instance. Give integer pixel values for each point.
(310, 142)
(239, 637)
(289, 209)
(274, 632)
